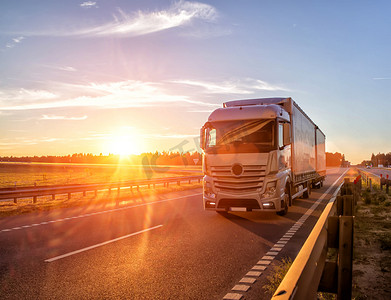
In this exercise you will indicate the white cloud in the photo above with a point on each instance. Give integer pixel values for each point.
(25, 95)
(17, 40)
(180, 13)
(125, 24)
(246, 86)
(53, 117)
(121, 94)
(382, 78)
(88, 4)
(14, 42)
(68, 69)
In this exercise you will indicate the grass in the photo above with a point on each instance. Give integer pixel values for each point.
(13, 175)
(372, 246)
(19, 175)
(277, 275)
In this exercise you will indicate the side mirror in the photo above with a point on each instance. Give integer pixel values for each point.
(287, 134)
(202, 138)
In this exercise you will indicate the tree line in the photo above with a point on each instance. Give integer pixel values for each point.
(378, 159)
(149, 158)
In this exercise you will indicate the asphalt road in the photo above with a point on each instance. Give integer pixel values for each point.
(379, 171)
(166, 249)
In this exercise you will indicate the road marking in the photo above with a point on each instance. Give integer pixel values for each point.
(247, 280)
(258, 268)
(233, 296)
(97, 213)
(266, 260)
(241, 287)
(254, 273)
(101, 244)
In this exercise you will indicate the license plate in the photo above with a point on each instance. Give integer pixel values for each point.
(238, 209)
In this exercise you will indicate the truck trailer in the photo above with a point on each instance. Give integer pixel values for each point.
(259, 155)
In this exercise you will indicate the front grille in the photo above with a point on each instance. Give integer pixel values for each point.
(251, 179)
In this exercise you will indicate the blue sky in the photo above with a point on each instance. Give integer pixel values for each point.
(134, 76)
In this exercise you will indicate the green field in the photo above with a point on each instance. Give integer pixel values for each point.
(30, 174)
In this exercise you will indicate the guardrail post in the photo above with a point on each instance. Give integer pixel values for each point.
(109, 191)
(339, 201)
(69, 196)
(179, 182)
(118, 189)
(15, 200)
(35, 199)
(54, 197)
(388, 185)
(84, 193)
(347, 205)
(345, 255)
(370, 184)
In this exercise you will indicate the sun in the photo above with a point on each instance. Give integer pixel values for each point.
(126, 141)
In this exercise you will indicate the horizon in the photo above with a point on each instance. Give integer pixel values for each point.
(132, 77)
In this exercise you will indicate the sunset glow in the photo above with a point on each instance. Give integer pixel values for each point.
(74, 75)
(125, 142)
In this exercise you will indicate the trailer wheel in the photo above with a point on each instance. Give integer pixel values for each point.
(286, 200)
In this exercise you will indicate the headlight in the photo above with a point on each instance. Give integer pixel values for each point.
(270, 190)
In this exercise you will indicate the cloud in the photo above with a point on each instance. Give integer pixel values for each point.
(382, 78)
(88, 4)
(25, 95)
(246, 86)
(14, 42)
(122, 94)
(125, 24)
(52, 117)
(68, 69)
(140, 23)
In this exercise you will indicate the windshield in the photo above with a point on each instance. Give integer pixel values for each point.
(241, 136)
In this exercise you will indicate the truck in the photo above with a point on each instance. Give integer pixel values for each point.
(259, 155)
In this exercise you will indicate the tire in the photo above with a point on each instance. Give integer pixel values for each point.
(287, 200)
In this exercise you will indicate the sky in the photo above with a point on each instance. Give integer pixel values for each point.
(143, 75)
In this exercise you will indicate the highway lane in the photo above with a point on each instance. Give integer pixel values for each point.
(187, 253)
(379, 171)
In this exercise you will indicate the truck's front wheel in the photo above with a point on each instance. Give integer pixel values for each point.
(285, 202)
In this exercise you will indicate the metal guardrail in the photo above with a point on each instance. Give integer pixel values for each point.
(34, 192)
(372, 180)
(311, 271)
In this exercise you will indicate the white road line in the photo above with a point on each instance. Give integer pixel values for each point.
(98, 213)
(250, 280)
(241, 288)
(254, 273)
(233, 296)
(101, 244)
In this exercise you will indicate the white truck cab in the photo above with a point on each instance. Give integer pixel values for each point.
(250, 149)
